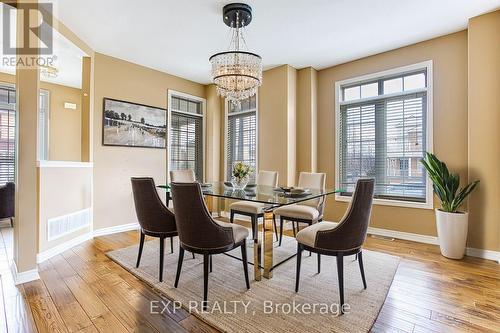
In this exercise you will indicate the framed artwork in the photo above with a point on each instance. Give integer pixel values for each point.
(128, 124)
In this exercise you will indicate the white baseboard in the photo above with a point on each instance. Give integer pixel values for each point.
(52, 252)
(404, 235)
(479, 253)
(426, 239)
(484, 254)
(23, 277)
(116, 229)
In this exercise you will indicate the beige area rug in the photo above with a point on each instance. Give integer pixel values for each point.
(270, 305)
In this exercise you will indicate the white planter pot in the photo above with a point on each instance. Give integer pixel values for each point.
(452, 233)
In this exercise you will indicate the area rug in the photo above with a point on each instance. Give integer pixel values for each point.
(271, 305)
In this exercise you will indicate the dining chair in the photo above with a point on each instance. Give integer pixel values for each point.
(154, 217)
(182, 176)
(7, 202)
(255, 210)
(310, 211)
(340, 240)
(200, 233)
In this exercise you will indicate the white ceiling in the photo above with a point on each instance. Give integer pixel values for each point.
(178, 36)
(67, 60)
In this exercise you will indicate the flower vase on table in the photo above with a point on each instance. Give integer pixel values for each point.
(239, 183)
(240, 175)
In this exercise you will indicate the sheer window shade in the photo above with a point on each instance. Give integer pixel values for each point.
(242, 135)
(186, 136)
(384, 137)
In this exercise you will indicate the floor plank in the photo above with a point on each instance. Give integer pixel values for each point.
(430, 293)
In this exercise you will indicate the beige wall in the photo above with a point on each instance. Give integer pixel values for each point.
(63, 190)
(307, 112)
(449, 56)
(214, 134)
(291, 125)
(277, 122)
(64, 124)
(484, 130)
(113, 166)
(26, 175)
(86, 114)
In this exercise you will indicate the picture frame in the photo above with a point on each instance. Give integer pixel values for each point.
(129, 124)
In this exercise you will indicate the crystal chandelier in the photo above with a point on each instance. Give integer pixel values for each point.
(236, 73)
(48, 72)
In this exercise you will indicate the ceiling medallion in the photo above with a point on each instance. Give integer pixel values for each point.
(236, 73)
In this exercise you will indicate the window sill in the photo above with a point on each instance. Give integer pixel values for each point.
(395, 203)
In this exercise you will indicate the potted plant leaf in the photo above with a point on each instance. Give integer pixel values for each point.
(452, 224)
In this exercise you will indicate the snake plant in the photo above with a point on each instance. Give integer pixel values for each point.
(445, 184)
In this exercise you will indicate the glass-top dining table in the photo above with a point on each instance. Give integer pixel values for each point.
(216, 193)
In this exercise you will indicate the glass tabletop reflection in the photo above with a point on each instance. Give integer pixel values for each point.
(259, 193)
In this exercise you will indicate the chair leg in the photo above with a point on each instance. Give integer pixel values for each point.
(340, 271)
(162, 252)
(206, 258)
(253, 218)
(245, 262)
(210, 262)
(299, 260)
(275, 228)
(179, 266)
(294, 230)
(281, 230)
(12, 222)
(319, 263)
(361, 268)
(231, 217)
(193, 254)
(141, 246)
(171, 244)
(356, 257)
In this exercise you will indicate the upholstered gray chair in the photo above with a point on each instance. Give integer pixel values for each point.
(255, 210)
(308, 212)
(7, 199)
(154, 217)
(200, 233)
(343, 239)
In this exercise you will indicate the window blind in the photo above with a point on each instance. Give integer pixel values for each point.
(7, 135)
(242, 136)
(383, 136)
(186, 136)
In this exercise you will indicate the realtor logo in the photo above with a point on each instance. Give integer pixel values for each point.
(36, 36)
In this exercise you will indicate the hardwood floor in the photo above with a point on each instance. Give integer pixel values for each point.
(81, 290)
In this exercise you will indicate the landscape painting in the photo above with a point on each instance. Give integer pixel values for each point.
(134, 125)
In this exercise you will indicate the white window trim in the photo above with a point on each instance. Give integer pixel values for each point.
(203, 101)
(427, 65)
(226, 133)
(47, 128)
(13, 86)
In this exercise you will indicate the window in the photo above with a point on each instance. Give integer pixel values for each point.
(383, 130)
(241, 135)
(43, 129)
(186, 133)
(7, 134)
(8, 131)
